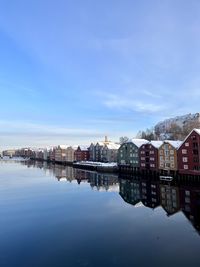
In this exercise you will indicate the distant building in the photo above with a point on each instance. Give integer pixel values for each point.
(189, 154)
(60, 153)
(81, 153)
(103, 151)
(9, 153)
(70, 154)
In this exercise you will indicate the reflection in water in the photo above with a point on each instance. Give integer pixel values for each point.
(172, 196)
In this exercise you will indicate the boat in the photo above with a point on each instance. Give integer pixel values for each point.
(166, 178)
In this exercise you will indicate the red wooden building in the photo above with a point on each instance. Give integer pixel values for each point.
(81, 153)
(189, 154)
(148, 154)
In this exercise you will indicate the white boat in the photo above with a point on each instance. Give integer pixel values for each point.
(166, 178)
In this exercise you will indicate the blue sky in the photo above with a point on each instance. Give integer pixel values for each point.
(73, 71)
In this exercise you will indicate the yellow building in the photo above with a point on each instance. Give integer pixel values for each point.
(167, 155)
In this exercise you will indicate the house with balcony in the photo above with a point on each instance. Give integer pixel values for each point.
(189, 154)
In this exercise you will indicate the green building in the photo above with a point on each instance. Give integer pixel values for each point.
(128, 153)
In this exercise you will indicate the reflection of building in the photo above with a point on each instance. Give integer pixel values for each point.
(150, 193)
(130, 191)
(101, 181)
(190, 204)
(169, 197)
(81, 175)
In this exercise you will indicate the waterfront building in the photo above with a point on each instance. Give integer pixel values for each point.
(148, 154)
(52, 152)
(103, 151)
(109, 152)
(81, 153)
(91, 152)
(128, 153)
(189, 154)
(167, 156)
(70, 151)
(60, 153)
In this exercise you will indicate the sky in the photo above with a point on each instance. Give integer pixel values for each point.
(73, 71)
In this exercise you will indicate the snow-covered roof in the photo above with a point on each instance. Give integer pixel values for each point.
(175, 144)
(197, 131)
(138, 142)
(84, 147)
(113, 146)
(63, 146)
(156, 144)
(100, 143)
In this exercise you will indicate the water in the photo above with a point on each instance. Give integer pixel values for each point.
(60, 217)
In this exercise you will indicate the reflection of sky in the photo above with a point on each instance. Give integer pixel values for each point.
(44, 222)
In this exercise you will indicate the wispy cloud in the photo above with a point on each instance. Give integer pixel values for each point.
(131, 102)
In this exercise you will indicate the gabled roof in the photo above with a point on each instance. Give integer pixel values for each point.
(138, 142)
(175, 144)
(196, 130)
(63, 146)
(156, 144)
(83, 147)
(113, 146)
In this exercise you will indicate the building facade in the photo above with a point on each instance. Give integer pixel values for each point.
(149, 155)
(81, 153)
(128, 153)
(189, 154)
(167, 156)
(60, 153)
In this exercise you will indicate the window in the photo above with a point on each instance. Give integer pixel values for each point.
(142, 158)
(166, 153)
(186, 144)
(167, 165)
(184, 151)
(171, 152)
(152, 159)
(161, 158)
(187, 193)
(161, 152)
(152, 152)
(172, 159)
(172, 165)
(166, 147)
(185, 167)
(185, 159)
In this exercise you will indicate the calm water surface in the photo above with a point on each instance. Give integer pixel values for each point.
(60, 217)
